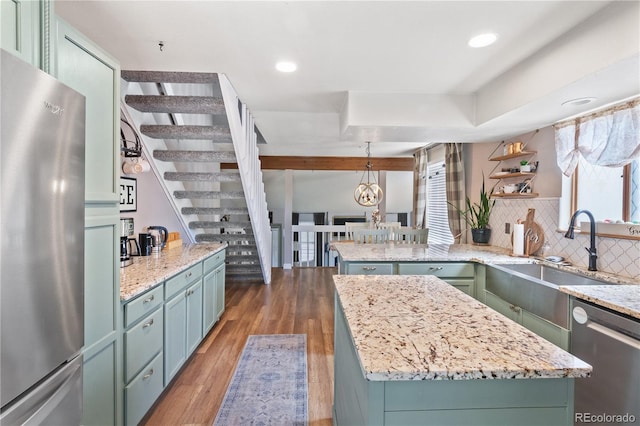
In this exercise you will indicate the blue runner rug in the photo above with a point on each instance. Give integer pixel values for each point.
(269, 386)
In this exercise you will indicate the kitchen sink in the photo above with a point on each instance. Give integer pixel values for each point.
(552, 275)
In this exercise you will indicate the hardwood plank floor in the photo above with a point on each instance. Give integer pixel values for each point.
(298, 301)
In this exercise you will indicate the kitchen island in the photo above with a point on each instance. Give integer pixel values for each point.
(414, 350)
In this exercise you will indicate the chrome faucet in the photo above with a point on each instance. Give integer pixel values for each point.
(592, 229)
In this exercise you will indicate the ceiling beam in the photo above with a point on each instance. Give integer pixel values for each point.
(268, 162)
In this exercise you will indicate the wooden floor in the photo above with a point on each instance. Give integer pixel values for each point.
(298, 301)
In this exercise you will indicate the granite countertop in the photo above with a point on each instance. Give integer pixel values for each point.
(418, 327)
(149, 271)
(623, 295)
(623, 299)
(392, 252)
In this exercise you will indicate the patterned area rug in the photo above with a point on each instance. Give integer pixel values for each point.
(269, 386)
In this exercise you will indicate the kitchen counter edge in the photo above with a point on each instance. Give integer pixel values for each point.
(147, 272)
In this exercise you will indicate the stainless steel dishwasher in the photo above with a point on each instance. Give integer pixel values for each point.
(611, 344)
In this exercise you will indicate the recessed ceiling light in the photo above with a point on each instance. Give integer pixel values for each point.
(578, 101)
(286, 66)
(483, 40)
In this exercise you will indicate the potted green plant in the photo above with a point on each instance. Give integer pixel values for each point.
(525, 167)
(477, 216)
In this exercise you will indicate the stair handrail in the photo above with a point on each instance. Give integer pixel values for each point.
(245, 145)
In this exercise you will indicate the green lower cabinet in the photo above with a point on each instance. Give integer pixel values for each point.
(461, 275)
(175, 338)
(102, 390)
(505, 308)
(143, 390)
(101, 385)
(194, 316)
(555, 334)
(213, 286)
(374, 268)
(182, 328)
(220, 288)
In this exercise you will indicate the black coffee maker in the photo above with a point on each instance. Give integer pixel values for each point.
(125, 257)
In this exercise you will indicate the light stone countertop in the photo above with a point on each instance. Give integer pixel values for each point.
(622, 296)
(149, 271)
(624, 299)
(418, 327)
(392, 252)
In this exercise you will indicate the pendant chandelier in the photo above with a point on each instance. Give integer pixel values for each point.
(369, 193)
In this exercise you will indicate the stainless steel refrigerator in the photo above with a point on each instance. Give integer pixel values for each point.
(42, 243)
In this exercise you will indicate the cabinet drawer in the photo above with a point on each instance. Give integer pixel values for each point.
(142, 342)
(142, 392)
(444, 269)
(214, 261)
(181, 280)
(370, 269)
(142, 305)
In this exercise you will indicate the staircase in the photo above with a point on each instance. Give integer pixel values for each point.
(193, 123)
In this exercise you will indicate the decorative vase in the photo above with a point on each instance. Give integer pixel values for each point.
(481, 236)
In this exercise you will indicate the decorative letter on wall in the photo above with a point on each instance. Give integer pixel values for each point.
(128, 196)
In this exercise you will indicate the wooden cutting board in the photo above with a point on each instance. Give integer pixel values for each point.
(533, 234)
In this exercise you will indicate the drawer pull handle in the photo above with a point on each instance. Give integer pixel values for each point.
(434, 268)
(148, 323)
(149, 374)
(148, 299)
(368, 268)
(189, 275)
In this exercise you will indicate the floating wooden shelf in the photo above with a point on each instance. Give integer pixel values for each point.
(516, 195)
(516, 155)
(511, 175)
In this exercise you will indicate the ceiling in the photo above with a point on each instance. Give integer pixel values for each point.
(397, 73)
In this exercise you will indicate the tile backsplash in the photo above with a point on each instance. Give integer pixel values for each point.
(615, 255)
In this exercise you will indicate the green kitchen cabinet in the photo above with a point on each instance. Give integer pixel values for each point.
(369, 268)
(23, 34)
(461, 275)
(102, 347)
(143, 345)
(213, 285)
(85, 67)
(554, 333)
(183, 319)
(194, 316)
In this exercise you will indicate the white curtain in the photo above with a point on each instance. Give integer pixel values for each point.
(420, 163)
(607, 138)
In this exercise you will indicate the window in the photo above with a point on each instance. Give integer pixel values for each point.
(610, 193)
(437, 219)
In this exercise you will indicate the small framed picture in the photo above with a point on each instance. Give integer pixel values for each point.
(128, 194)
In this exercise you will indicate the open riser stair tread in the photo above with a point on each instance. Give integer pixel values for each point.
(211, 224)
(216, 133)
(170, 77)
(202, 177)
(204, 211)
(176, 104)
(194, 156)
(223, 238)
(209, 195)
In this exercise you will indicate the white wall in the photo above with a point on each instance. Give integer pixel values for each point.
(332, 191)
(153, 206)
